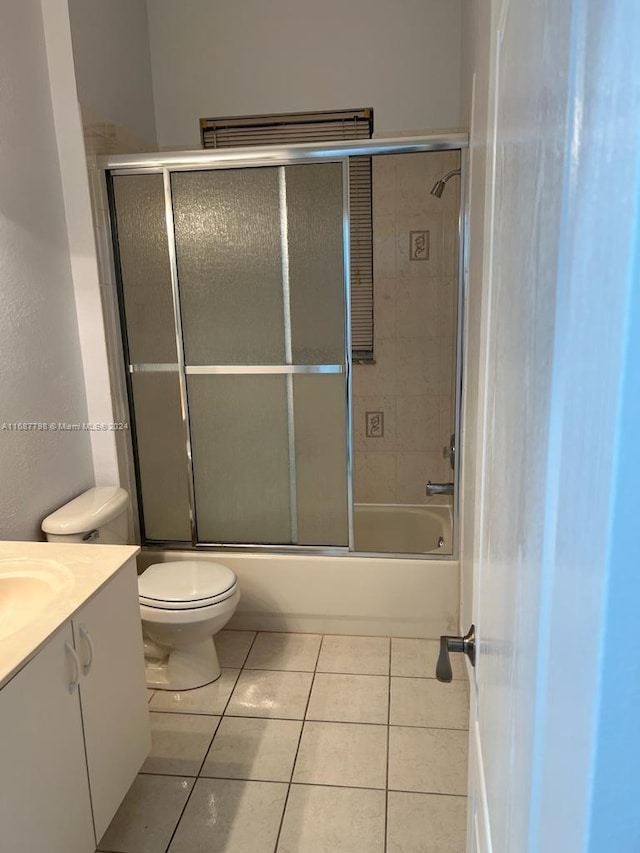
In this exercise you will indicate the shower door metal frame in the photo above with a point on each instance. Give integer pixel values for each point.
(281, 156)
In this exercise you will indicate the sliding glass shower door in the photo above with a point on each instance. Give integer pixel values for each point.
(233, 296)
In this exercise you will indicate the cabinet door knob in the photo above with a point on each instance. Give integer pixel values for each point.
(76, 666)
(86, 636)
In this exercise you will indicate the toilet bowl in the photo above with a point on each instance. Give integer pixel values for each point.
(182, 604)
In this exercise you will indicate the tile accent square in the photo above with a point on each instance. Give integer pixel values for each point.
(356, 823)
(432, 761)
(271, 694)
(210, 699)
(417, 658)
(349, 698)
(284, 651)
(227, 816)
(346, 754)
(419, 248)
(253, 748)
(427, 702)
(365, 405)
(179, 743)
(375, 424)
(357, 655)
(426, 823)
(233, 647)
(148, 815)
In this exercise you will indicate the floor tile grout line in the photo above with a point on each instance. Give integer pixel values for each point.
(224, 710)
(195, 781)
(186, 803)
(369, 788)
(455, 680)
(308, 719)
(295, 757)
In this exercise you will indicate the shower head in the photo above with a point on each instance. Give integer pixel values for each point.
(438, 188)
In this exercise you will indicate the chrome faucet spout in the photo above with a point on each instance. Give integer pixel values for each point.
(439, 489)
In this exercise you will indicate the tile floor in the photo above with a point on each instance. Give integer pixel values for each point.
(306, 744)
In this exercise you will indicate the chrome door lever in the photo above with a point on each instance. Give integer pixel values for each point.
(466, 644)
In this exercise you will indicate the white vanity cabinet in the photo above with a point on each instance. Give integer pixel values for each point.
(74, 727)
(44, 795)
(108, 638)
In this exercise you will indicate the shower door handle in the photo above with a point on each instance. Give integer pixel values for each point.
(466, 644)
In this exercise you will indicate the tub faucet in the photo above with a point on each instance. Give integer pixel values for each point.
(439, 489)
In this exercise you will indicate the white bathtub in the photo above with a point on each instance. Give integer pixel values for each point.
(368, 596)
(403, 528)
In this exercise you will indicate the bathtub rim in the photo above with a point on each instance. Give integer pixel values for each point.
(315, 550)
(291, 551)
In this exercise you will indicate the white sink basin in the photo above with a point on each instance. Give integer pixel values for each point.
(27, 588)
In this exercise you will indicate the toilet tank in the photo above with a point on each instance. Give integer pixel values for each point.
(97, 515)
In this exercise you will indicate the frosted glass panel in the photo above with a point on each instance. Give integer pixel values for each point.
(321, 459)
(144, 265)
(227, 225)
(162, 458)
(240, 458)
(316, 263)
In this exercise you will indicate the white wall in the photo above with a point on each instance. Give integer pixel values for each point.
(41, 371)
(217, 58)
(111, 56)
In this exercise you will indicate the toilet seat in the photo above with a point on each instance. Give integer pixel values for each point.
(185, 585)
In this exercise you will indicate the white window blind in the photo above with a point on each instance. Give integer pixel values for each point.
(289, 128)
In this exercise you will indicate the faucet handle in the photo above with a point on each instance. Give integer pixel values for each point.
(449, 451)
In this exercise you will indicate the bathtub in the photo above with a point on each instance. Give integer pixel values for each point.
(354, 594)
(403, 528)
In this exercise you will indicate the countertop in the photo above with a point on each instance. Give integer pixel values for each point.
(78, 572)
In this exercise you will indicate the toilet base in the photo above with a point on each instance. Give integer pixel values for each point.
(183, 668)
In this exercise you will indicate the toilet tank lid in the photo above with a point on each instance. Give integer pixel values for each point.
(93, 508)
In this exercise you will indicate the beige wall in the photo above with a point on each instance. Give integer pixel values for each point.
(414, 334)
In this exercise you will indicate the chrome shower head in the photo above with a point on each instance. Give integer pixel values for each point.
(438, 188)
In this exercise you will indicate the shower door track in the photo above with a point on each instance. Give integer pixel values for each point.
(167, 162)
(247, 369)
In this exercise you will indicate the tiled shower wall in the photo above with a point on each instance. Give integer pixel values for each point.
(412, 380)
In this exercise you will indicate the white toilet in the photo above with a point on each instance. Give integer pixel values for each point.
(182, 604)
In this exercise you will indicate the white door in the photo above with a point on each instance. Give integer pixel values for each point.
(554, 420)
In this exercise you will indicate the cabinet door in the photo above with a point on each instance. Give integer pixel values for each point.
(108, 639)
(44, 792)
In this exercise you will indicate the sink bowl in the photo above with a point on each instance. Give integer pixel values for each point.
(27, 588)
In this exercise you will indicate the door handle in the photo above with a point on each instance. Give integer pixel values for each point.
(466, 644)
(76, 666)
(86, 636)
